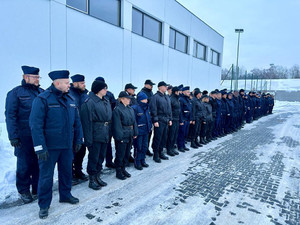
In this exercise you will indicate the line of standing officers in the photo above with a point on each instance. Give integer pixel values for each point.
(57, 125)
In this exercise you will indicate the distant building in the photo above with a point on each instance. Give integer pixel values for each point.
(121, 40)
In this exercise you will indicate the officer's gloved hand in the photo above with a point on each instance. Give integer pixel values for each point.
(77, 147)
(43, 156)
(15, 142)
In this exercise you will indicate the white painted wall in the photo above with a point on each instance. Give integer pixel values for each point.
(48, 35)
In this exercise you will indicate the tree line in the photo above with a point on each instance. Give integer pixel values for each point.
(274, 72)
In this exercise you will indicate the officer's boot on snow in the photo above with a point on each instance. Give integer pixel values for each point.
(126, 174)
(93, 184)
(26, 197)
(156, 157)
(197, 143)
(43, 213)
(202, 141)
(163, 156)
(100, 181)
(193, 144)
(119, 174)
(175, 152)
(170, 152)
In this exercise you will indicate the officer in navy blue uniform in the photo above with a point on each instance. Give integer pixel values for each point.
(95, 116)
(161, 113)
(143, 119)
(55, 126)
(130, 89)
(185, 118)
(198, 116)
(109, 155)
(80, 94)
(147, 89)
(17, 111)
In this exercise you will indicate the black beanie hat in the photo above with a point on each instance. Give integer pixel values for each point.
(98, 86)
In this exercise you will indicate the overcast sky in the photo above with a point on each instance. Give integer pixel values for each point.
(271, 29)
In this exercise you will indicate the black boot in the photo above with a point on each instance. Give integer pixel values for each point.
(43, 213)
(202, 141)
(26, 197)
(170, 153)
(181, 149)
(100, 182)
(186, 149)
(110, 165)
(126, 174)
(149, 153)
(72, 200)
(193, 144)
(163, 156)
(197, 143)
(175, 152)
(119, 174)
(93, 184)
(144, 164)
(81, 176)
(156, 157)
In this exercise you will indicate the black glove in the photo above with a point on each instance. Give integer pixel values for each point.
(43, 156)
(77, 147)
(15, 142)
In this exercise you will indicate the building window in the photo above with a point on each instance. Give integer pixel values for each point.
(178, 41)
(81, 5)
(146, 26)
(215, 57)
(107, 10)
(199, 50)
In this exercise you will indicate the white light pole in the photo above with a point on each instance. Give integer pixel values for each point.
(239, 31)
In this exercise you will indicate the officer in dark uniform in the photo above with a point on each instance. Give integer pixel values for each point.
(218, 115)
(214, 106)
(55, 127)
(147, 89)
(80, 94)
(230, 114)
(185, 118)
(207, 115)
(17, 110)
(95, 117)
(130, 89)
(197, 114)
(124, 129)
(143, 119)
(173, 130)
(109, 155)
(161, 112)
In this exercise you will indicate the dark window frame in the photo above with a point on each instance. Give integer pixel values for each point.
(187, 41)
(196, 43)
(218, 57)
(143, 25)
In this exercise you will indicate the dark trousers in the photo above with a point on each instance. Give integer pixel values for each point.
(203, 130)
(209, 128)
(78, 159)
(223, 123)
(27, 173)
(195, 129)
(228, 124)
(63, 158)
(217, 130)
(160, 137)
(96, 157)
(122, 153)
(140, 148)
(182, 133)
(109, 154)
(172, 134)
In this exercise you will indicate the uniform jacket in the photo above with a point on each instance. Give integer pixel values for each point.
(148, 92)
(111, 98)
(78, 95)
(17, 109)
(143, 118)
(219, 108)
(224, 108)
(230, 107)
(160, 108)
(198, 109)
(124, 125)
(175, 106)
(186, 108)
(214, 106)
(54, 121)
(208, 117)
(96, 116)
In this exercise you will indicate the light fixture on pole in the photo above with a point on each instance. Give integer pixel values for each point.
(239, 31)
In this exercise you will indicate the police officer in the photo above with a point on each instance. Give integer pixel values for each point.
(173, 130)
(55, 126)
(130, 89)
(197, 115)
(124, 129)
(17, 110)
(185, 118)
(143, 119)
(95, 117)
(79, 93)
(160, 108)
(147, 89)
(109, 155)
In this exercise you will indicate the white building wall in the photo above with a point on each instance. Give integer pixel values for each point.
(51, 36)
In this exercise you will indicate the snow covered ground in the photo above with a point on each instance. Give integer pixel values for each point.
(249, 177)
